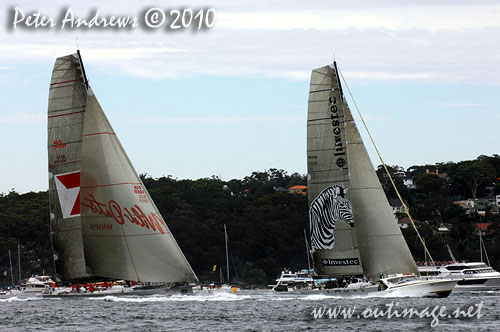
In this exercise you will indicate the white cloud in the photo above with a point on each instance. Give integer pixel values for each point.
(390, 76)
(432, 18)
(224, 119)
(23, 117)
(396, 40)
(454, 104)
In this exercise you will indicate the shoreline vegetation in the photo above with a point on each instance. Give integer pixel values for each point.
(265, 220)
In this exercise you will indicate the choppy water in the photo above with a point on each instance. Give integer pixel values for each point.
(256, 310)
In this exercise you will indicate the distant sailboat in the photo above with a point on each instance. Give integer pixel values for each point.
(225, 286)
(104, 224)
(353, 233)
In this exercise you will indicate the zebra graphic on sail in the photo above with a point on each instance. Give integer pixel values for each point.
(329, 207)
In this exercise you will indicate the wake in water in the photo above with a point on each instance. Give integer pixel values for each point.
(20, 299)
(200, 297)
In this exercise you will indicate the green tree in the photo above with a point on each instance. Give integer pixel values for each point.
(474, 173)
(430, 184)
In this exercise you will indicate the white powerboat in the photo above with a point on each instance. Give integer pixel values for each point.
(471, 276)
(289, 281)
(413, 286)
(36, 284)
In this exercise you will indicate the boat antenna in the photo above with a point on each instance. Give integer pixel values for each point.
(407, 211)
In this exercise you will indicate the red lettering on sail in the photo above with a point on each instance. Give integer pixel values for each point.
(140, 193)
(116, 211)
(58, 144)
(154, 218)
(134, 214)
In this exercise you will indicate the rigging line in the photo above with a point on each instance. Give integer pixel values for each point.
(407, 211)
(483, 247)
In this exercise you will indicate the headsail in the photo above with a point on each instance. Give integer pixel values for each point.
(333, 235)
(381, 244)
(122, 234)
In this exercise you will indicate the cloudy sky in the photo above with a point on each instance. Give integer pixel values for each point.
(232, 99)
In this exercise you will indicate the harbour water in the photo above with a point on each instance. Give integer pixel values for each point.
(252, 310)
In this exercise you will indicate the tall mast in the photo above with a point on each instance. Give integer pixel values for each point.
(425, 253)
(227, 255)
(82, 68)
(19, 260)
(451, 254)
(480, 246)
(307, 252)
(483, 247)
(11, 272)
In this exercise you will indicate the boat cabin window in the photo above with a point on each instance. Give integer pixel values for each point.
(456, 267)
(397, 280)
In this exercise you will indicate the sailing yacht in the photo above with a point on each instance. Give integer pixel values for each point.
(352, 228)
(104, 225)
(224, 287)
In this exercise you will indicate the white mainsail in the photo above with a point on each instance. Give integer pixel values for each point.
(337, 158)
(67, 104)
(121, 232)
(333, 234)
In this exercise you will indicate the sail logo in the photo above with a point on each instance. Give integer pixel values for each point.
(340, 262)
(68, 191)
(134, 214)
(337, 132)
(58, 144)
(328, 208)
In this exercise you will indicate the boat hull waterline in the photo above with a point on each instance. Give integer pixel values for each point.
(419, 288)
